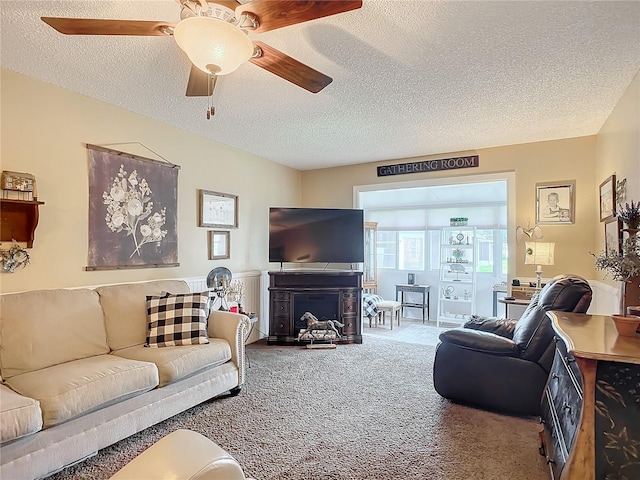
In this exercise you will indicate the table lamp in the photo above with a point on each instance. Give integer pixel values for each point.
(539, 254)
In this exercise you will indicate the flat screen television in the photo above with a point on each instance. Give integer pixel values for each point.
(326, 235)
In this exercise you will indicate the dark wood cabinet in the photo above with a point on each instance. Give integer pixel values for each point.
(591, 403)
(335, 295)
(18, 220)
(561, 406)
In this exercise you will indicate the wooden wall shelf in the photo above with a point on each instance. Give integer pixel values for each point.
(18, 220)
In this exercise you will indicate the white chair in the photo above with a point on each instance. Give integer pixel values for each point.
(390, 306)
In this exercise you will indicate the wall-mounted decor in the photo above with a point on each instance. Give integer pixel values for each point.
(13, 258)
(17, 185)
(219, 245)
(608, 199)
(426, 166)
(612, 238)
(218, 210)
(621, 190)
(555, 203)
(133, 209)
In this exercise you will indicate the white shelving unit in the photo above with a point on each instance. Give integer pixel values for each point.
(458, 257)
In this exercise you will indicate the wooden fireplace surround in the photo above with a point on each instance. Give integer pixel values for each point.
(285, 285)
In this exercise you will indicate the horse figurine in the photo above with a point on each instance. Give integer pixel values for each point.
(314, 324)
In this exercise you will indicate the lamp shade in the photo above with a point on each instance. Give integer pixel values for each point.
(539, 253)
(213, 45)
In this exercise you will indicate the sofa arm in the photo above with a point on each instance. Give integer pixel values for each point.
(479, 341)
(182, 454)
(233, 328)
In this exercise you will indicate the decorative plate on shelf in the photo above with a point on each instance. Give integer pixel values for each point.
(218, 276)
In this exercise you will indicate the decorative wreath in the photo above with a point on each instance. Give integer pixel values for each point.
(14, 258)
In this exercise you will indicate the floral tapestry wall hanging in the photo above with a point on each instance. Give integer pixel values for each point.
(133, 205)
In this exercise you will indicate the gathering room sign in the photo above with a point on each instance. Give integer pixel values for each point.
(429, 166)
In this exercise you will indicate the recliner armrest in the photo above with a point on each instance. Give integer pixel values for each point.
(480, 341)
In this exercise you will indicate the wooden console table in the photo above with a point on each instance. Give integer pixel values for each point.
(424, 290)
(591, 403)
(333, 294)
(520, 302)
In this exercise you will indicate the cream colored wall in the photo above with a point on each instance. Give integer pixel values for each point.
(618, 150)
(571, 159)
(44, 130)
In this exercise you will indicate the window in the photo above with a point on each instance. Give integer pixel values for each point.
(492, 245)
(434, 249)
(401, 250)
(484, 241)
(411, 250)
(504, 250)
(386, 249)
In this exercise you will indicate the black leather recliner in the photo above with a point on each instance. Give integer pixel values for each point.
(503, 365)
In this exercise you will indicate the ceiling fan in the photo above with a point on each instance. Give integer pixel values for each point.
(214, 37)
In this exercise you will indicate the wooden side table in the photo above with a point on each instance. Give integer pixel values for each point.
(424, 290)
(253, 318)
(591, 403)
(516, 301)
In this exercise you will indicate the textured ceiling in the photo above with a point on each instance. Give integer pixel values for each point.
(410, 77)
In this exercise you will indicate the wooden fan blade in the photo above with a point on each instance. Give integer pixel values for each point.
(198, 85)
(272, 14)
(290, 69)
(90, 26)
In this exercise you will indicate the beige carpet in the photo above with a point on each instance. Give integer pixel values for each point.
(357, 412)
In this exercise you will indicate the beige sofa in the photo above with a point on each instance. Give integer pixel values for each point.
(76, 376)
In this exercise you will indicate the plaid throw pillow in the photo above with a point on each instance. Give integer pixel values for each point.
(179, 319)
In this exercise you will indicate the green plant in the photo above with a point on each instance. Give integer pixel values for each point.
(621, 265)
(630, 214)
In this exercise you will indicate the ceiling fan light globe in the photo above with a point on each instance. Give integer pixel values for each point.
(209, 41)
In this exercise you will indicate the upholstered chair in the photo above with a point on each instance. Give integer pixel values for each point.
(502, 365)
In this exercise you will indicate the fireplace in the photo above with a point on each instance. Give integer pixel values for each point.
(323, 305)
(327, 294)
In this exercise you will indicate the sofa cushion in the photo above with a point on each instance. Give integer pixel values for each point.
(175, 363)
(42, 328)
(71, 389)
(19, 415)
(125, 309)
(179, 319)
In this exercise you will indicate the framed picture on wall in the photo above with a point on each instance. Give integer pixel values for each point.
(608, 199)
(219, 247)
(612, 238)
(218, 210)
(555, 203)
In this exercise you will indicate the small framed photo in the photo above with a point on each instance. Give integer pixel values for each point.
(612, 237)
(219, 243)
(411, 278)
(608, 199)
(218, 210)
(555, 203)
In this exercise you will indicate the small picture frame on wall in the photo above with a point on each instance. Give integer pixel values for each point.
(608, 199)
(218, 210)
(612, 237)
(411, 278)
(555, 203)
(219, 245)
